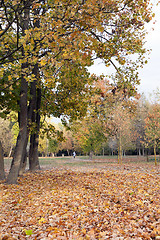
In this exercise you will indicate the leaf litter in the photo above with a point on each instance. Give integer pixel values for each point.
(114, 202)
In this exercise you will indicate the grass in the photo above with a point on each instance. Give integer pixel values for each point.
(84, 161)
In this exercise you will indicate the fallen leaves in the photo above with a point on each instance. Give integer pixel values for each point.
(96, 204)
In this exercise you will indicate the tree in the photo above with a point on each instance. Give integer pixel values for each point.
(114, 108)
(47, 37)
(6, 136)
(20, 150)
(67, 144)
(53, 146)
(2, 171)
(139, 123)
(7, 140)
(121, 128)
(152, 128)
(89, 135)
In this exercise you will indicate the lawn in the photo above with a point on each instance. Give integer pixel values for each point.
(50, 162)
(83, 199)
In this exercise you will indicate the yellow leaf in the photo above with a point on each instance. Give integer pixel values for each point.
(139, 202)
(9, 77)
(42, 220)
(42, 62)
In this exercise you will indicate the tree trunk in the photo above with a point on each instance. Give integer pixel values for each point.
(143, 152)
(10, 152)
(103, 150)
(155, 159)
(139, 152)
(91, 155)
(24, 156)
(2, 172)
(118, 154)
(22, 136)
(23, 164)
(120, 148)
(33, 154)
(68, 152)
(36, 103)
(147, 155)
(34, 140)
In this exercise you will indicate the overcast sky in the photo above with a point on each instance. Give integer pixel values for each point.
(150, 74)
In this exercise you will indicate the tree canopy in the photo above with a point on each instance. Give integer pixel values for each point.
(45, 49)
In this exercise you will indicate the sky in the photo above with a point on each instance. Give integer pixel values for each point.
(150, 73)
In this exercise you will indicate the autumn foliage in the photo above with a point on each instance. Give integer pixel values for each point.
(152, 128)
(115, 202)
(45, 51)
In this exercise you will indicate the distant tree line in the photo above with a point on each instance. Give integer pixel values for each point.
(113, 126)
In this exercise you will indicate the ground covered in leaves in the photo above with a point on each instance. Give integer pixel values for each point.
(63, 203)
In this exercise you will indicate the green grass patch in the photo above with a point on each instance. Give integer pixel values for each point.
(50, 162)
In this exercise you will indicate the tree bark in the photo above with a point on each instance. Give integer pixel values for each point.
(2, 171)
(68, 152)
(143, 151)
(10, 152)
(103, 150)
(23, 164)
(33, 155)
(120, 148)
(36, 103)
(21, 144)
(31, 118)
(91, 155)
(34, 140)
(155, 158)
(22, 136)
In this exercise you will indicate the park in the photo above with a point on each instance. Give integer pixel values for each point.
(79, 151)
(83, 199)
